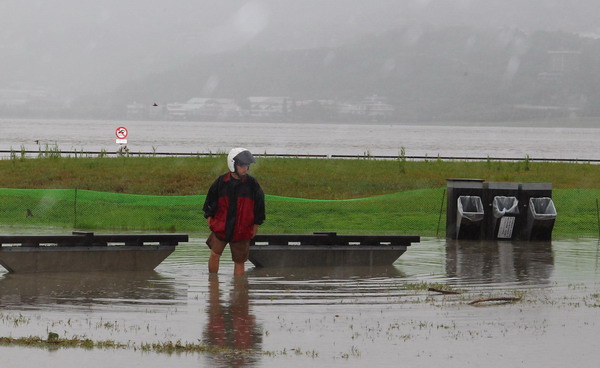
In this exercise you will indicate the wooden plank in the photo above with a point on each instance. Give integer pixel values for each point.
(89, 239)
(334, 239)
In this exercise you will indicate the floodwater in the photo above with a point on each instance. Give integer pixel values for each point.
(566, 142)
(302, 317)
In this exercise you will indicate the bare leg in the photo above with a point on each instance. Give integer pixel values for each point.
(238, 269)
(213, 262)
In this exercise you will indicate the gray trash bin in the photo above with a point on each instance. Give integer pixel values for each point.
(540, 218)
(469, 217)
(505, 210)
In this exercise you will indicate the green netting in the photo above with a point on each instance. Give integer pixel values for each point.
(408, 212)
(419, 212)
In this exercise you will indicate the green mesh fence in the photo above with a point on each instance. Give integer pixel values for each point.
(418, 212)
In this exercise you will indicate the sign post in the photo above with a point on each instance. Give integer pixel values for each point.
(122, 134)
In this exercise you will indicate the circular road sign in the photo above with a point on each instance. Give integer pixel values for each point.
(121, 132)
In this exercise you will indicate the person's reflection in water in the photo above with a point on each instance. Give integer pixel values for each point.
(231, 325)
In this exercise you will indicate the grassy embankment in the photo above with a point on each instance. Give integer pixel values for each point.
(303, 195)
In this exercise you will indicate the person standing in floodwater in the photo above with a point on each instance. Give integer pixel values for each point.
(234, 208)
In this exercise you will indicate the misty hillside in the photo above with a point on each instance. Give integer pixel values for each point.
(431, 59)
(74, 47)
(428, 74)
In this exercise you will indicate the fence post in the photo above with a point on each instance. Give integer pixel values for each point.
(598, 218)
(440, 216)
(75, 211)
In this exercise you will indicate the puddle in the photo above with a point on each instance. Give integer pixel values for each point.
(322, 316)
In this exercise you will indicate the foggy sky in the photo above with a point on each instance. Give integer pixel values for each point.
(81, 46)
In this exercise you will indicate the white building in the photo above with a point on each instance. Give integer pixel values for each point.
(352, 109)
(269, 107)
(204, 109)
(374, 107)
(377, 107)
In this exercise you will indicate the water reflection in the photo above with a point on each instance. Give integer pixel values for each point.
(325, 285)
(40, 289)
(231, 324)
(499, 262)
(315, 273)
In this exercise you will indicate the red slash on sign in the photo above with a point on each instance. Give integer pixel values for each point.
(121, 132)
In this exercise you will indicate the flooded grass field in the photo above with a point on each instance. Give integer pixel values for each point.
(455, 304)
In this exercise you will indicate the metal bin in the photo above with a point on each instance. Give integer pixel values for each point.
(469, 217)
(540, 219)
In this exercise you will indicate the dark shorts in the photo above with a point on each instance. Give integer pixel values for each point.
(239, 250)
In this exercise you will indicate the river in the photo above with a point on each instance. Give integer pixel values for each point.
(311, 138)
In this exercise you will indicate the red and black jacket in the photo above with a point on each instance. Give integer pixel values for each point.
(235, 206)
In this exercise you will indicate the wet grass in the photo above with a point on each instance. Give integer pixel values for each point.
(95, 210)
(347, 196)
(293, 177)
(408, 212)
(53, 342)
